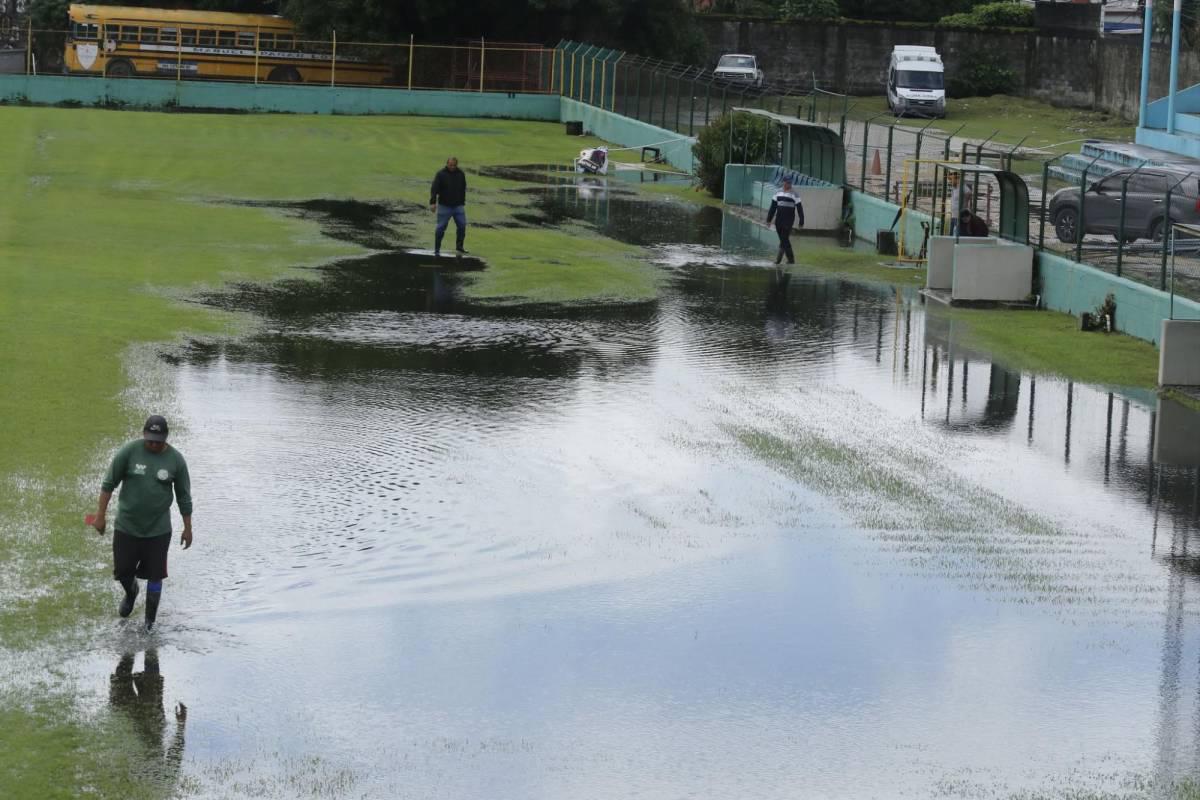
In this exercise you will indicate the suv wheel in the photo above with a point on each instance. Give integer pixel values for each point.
(1066, 224)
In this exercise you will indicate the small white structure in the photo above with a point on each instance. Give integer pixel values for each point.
(1179, 353)
(971, 269)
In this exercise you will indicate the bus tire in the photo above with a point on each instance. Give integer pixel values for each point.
(284, 75)
(120, 69)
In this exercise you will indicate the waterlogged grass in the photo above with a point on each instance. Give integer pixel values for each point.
(857, 265)
(1051, 343)
(46, 753)
(936, 520)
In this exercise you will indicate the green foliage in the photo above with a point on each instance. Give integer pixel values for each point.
(753, 141)
(1189, 26)
(790, 10)
(1003, 14)
(985, 76)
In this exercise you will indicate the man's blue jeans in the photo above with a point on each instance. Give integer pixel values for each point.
(444, 213)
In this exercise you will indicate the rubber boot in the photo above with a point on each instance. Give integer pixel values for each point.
(152, 599)
(131, 593)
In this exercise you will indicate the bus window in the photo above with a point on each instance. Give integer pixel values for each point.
(208, 38)
(84, 31)
(129, 33)
(225, 38)
(188, 37)
(266, 41)
(245, 39)
(150, 35)
(285, 42)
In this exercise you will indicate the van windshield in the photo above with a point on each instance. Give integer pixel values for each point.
(736, 62)
(910, 79)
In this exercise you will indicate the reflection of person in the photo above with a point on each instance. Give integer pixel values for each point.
(139, 696)
(786, 209)
(960, 199)
(149, 472)
(448, 198)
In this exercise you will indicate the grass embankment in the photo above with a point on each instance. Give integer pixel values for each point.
(1010, 119)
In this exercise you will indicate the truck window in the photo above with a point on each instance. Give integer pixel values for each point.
(736, 62)
(912, 79)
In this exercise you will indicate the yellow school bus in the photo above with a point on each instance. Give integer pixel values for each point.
(124, 42)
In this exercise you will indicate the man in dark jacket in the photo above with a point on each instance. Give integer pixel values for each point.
(971, 224)
(448, 198)
(786, 209)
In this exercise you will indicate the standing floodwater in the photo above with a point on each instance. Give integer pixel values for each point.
(775, 535)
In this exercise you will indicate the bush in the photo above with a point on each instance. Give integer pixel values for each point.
(1005, 14)
(752, 143)
(985, 76)
(791, 10)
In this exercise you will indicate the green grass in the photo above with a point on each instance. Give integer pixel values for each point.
(858, 265)
(109, 217)
(1048, 342)
(1009, 120)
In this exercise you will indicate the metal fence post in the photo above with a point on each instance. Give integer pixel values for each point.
(692, 111)
(663, 119)
(1121, 221)
(1079, 223)
(675, 126)
(707, 102)
(887, 180)
(333, 62)
(1168, 230)
(637, 94)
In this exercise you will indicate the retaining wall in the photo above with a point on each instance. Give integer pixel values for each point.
(1067, 68)
(622, 130)
(291, 98)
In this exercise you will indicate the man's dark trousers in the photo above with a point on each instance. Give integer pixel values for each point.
(785, 244)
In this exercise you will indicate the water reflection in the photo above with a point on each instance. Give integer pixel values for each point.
(546, 542)
(138, 697)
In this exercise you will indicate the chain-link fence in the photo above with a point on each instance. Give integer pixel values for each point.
(176, 51)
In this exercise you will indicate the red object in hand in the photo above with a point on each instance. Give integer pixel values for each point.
(89, 519)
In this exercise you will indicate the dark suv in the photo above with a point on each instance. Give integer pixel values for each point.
(1144, 202)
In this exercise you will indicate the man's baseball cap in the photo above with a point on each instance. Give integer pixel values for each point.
(155, 429)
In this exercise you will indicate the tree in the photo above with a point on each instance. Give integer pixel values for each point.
(754, 140)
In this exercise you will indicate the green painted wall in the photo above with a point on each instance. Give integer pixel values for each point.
(1066, 285)
(872, 214)
(297, 99)
(627, 132)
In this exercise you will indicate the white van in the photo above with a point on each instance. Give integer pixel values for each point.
(915, 82)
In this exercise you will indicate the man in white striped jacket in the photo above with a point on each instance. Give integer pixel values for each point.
(787, 210)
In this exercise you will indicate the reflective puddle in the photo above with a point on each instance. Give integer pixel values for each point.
(775, 535)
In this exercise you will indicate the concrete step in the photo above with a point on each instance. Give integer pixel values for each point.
(1187, 123)
(1070, 168)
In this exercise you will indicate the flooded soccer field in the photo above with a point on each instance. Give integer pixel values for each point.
(771, 533)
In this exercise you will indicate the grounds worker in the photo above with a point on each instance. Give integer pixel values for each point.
(149, 471)
(786, 209)
(448, 197)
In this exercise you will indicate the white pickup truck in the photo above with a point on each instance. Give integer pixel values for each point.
(739, 68)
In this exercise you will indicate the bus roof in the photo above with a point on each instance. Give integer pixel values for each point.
(79, 11)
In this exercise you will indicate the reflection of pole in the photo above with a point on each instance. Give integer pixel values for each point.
(1032, 398)
(1108, 438)
(1070, 404)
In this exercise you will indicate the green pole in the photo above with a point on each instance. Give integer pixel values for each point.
(637, 93)
(1121, 221)
(1079, 224)
(887, 179)
(692, 111)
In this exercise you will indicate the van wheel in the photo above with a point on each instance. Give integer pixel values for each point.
(120, 69)
(1066, 224)
(284, 75)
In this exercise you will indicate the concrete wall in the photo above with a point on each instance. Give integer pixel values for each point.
(1179, 355)
(149, 93)
(872, 214)
(619, 129)
(1077, 69)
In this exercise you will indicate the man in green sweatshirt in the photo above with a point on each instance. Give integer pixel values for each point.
(149, 472)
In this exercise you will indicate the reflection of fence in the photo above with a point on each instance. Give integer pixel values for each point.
(477, 66)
